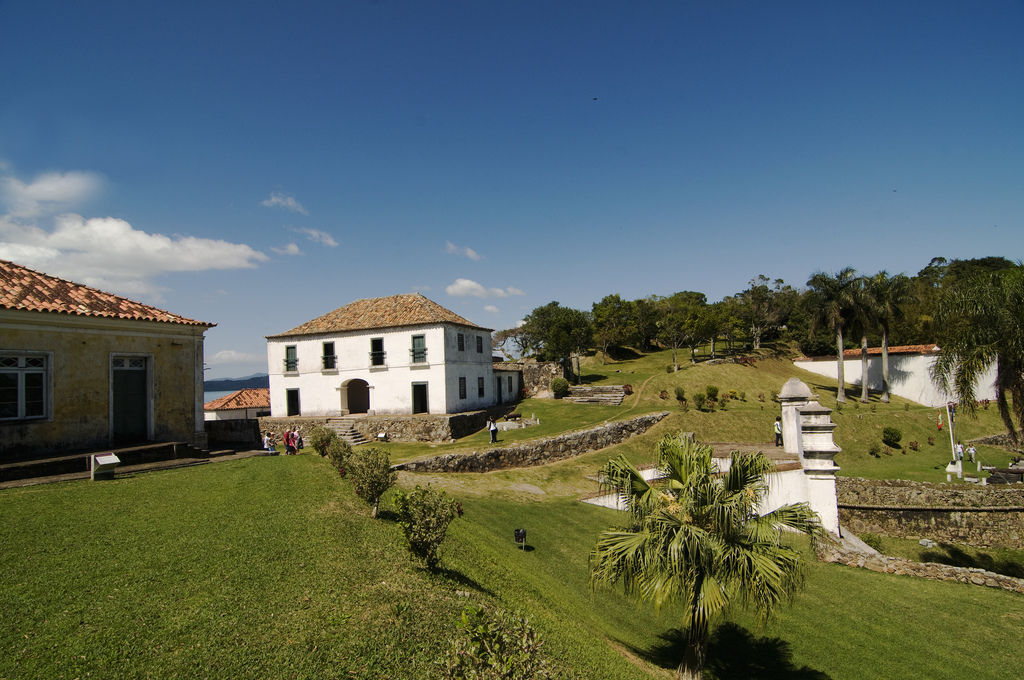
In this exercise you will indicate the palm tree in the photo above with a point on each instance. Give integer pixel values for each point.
(982, 322)
(863, 316)
(696, 537)
(889, 294)
(830, 300)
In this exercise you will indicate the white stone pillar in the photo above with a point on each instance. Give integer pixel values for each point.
(817, 458)
(794, 394)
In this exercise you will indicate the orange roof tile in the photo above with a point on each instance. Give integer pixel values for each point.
(24, 288)
(383, 312)
(253, 397)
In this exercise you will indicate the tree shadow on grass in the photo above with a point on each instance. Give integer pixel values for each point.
(734, 653)
(458, 578)
(956, 557)
(591, 378)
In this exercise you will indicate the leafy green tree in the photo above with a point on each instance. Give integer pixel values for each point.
(371, 473)
(425, 515)
(983, 322)
(761, 306)
(560, 333)
(890, 295)
(677, 326)
(644, 322)
(611, 318)
(830, 300)
(696, 537)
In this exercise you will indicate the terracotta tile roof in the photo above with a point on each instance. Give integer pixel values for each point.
(383, 312)
(24, 288)
(253, 397)
(876, 351)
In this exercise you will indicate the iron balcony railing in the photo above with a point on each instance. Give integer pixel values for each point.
(378, 358)
(330, 361)
(418, 354)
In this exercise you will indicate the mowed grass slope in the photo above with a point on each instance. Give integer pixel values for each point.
(270, 567)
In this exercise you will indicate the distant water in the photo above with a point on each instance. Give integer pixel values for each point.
(216, 394)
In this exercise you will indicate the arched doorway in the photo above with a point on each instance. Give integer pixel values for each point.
(355, 396)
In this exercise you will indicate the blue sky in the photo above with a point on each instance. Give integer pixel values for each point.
(258, 164)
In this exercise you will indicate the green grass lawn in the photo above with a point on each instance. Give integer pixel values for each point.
(270, 567)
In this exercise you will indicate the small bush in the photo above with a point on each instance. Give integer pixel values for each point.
(722, 403)
(874, 450)
(670, 368)
(743, 395)
(891, 436)
(680, 393)
(495, 646)
(760, 397)
(425, 515)
(664, 394)
(886, 450)
(699, 399)
(984, 404)
(913, 445)
(338, 452)
(874, 408)
(372, 475)
(775, 395)
(712, 392)
(906, 407)
(873, 540)
(931, 441)
(627, 390)
(733, 394)
(560, 387)
(839, 407)
(320, 437)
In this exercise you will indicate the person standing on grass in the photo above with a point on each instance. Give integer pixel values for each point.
(268, 443)
(778, 430)
(972, 452)
(959, 451)
(493, 427)
(289, 442)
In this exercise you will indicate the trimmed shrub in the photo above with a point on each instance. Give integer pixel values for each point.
(425, 515)
(712, 392)
(680, 393)
(338, 452)
(372, 475)
(873, 540)
(891, 436)
(874, 450)
(320, 437)
(699, 399)
(495, 646)
(560, 387)
(664, 394)
(733, 394)
(913, 445)
(722, 403)
(743, 395)
(627, 390)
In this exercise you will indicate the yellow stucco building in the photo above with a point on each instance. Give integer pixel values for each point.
(81, 369)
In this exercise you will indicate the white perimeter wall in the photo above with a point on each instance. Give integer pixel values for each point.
(909, 377)
(390, 385)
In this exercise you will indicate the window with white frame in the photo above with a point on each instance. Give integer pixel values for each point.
(23, 380)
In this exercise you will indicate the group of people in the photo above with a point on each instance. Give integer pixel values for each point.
(292, 441)
(959, 451)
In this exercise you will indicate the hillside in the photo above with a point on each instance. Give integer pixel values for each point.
(230, 384)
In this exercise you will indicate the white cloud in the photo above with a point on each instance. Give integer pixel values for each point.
(230, 356)
(48, 193)
(104, 252)
(317, 236)
(290, 249)
(285, 201)
(491, 308)
(453, 249)
(464, 287)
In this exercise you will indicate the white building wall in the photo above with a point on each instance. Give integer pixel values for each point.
(390, 385)
(909, 376)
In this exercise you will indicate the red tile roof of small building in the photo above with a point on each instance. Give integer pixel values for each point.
(876, 351)
(383, 312)
(253, 397)
(24, 288)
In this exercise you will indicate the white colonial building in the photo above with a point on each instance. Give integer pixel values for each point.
(909, 373)
(402, 354)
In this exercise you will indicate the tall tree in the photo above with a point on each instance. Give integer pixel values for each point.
(676, 327)
(560, 333)
(644, 320)
(862, 315)
(830, 300)
(890, 295)
(760, 306)
(697, 537)
(982, 322)
(611, 321)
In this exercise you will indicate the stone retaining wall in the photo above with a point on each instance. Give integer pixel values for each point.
(981, 516)
(537, 452)
(928, 570)
(423, 427)
(1002, 440)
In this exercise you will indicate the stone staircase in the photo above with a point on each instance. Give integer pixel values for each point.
(343, 426)
(596, 394)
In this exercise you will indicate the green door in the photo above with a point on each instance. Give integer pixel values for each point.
(130, 405)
